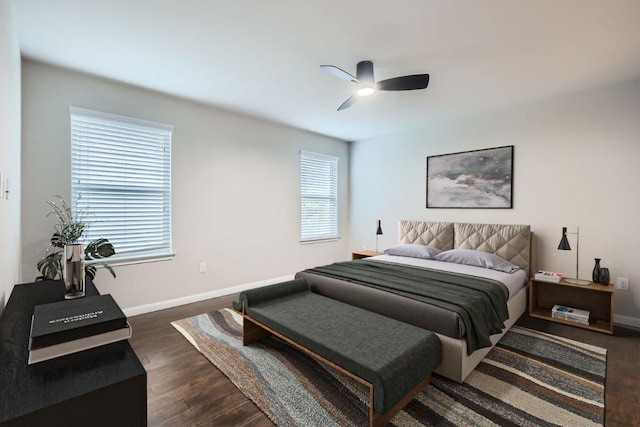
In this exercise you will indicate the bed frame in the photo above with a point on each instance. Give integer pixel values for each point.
(511, 242)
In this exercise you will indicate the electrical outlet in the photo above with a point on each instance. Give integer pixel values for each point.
(622, 283)
(203, 267)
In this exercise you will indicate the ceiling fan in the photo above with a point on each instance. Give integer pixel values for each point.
(366, 84)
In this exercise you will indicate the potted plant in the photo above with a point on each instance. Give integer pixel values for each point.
(66, 241)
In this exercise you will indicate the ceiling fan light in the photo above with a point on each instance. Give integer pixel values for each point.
(365, 90)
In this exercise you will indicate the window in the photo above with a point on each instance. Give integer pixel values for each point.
(318, 197)
(121, 182)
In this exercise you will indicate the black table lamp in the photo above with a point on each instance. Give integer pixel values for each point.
(564, 246)
(378, 233)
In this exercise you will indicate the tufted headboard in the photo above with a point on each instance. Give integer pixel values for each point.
(436, 234)
(511, 242)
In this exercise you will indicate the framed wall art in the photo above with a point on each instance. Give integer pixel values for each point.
(471, 179)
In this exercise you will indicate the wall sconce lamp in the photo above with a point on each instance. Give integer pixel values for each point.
(378, 234)
(564, 246)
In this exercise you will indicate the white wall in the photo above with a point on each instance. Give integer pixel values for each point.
(576, 164)
(235, 188)
(9, 151)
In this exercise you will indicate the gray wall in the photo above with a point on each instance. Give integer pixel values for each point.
(235, 189)
(575, 165)
(9, 151)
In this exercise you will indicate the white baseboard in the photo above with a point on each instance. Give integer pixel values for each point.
(626, 321)
(147, 308)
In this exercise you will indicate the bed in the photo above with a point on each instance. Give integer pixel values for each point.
(469, 250)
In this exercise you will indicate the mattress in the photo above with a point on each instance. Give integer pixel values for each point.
(427, 316)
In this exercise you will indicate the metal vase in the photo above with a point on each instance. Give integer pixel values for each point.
(595, 275)
(605, 277)
(73, 271)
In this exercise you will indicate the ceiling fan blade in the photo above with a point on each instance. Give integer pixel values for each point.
(348, 103)
(339, 72)
(415, 81)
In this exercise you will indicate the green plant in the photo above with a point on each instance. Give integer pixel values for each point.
(68, 231)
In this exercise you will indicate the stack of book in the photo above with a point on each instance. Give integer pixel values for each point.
(67, 327)
(548, 276)
(570, 314)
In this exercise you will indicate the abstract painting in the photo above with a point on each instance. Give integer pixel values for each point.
(471, 179)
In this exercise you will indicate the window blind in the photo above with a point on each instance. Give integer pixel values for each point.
(121, 182)
(318, 197)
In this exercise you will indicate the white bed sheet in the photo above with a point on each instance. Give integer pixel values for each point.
(513, 281)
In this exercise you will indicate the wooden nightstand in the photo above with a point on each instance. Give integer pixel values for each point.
(363, 254)
(596, 298)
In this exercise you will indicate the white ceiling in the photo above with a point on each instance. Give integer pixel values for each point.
(262, 57)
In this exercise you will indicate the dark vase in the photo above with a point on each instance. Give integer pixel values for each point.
(604, 276)
(595, 276)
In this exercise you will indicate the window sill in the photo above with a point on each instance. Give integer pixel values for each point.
(328, 239)
(132, 260)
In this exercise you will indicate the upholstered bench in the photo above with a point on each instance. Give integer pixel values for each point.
(394, 359)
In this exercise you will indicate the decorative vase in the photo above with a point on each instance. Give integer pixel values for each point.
(73, 271)
(595, 276)
(604, 277)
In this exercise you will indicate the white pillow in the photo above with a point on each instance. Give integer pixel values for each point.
(413, 251)
(478, 259)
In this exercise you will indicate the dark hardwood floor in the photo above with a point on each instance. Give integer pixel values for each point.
(185, 389)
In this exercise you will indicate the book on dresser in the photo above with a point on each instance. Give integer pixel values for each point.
(570, 314)
(67, 327)
(548, 276)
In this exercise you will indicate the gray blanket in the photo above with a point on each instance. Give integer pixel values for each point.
(481, 303)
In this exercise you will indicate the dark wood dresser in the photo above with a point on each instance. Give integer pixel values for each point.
(103, 386)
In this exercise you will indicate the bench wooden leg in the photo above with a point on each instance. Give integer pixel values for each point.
(378, 420)
(252, 332)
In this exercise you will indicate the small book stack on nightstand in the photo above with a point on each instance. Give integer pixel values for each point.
(571, 314)
(548, 276)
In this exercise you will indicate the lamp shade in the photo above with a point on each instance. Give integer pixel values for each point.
(379, 230)
(564, 243)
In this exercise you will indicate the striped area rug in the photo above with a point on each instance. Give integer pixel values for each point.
(528, 379)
